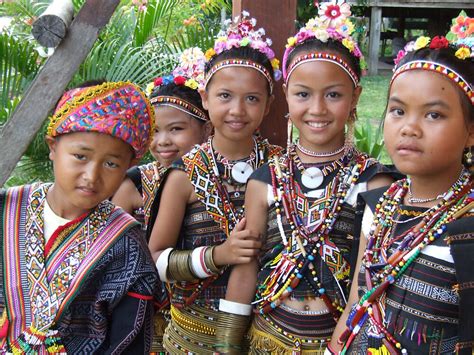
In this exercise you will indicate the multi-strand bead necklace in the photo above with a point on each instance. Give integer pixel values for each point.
(231, 215)
(296, 259)
(382, 270)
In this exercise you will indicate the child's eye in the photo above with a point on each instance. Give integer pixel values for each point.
(224, 95)
(333, 95)
(434, 115)
(111, 164)
(302, 94)
(252, 98)
(396, 111)
(176, 129)
(79, 157)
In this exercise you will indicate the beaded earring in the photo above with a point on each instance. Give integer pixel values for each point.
(468, 157)
(350, 128)
(289, 130)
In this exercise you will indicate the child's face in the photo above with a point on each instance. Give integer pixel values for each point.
(88, 168)
(237, 100)
(320, 98)
(175, 134)
(425, 130)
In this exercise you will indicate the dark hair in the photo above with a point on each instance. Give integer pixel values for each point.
(179, 91)
(331, 45)
(447, 57)
(242, 53)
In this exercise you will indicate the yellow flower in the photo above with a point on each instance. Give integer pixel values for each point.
(210, 53)
(149, 88)
(291, 42)
(191, 83)
(463, 53)
(348, 44)
(275, 63)
(422, 42)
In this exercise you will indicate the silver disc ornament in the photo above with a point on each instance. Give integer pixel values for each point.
(312, 177)
(241, 172)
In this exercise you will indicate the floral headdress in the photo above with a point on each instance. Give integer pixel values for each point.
(241, 32)
(460, 38)
(189, 73)
(332, 23)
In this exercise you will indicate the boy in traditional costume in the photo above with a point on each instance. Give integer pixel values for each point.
(76, 271)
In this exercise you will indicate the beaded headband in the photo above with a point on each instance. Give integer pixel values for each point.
(460, 38)
(180, 104)
(119, 109)
(438, 68)
(332, 23)
(322, 57)
(240, 63)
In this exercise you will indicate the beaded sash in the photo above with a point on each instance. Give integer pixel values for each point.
(42, 280)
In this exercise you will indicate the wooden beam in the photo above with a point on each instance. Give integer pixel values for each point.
(374, 39)
(51, 27)
(50, 83)
(278, 18)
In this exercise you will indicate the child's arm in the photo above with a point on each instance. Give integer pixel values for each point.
(176, 195)
(242, 282)
(235, 310)
(127, 196)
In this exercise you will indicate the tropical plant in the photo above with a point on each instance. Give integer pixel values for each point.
(139, 43)
(369, 140)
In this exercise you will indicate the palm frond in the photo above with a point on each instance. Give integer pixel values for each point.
(147, 21)
(18, 66)
(116, 61)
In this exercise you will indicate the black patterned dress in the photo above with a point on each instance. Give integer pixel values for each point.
(280, 329)
(422, 308)
(194, 304)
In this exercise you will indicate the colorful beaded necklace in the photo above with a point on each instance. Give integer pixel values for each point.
(382, 270)
(310, 231)
(203, 171)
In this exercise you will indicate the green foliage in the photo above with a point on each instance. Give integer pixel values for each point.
(136, 46)
(369, 140)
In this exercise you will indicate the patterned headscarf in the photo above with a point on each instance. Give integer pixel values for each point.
(119, 109)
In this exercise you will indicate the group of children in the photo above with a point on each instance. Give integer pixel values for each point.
(240, 245)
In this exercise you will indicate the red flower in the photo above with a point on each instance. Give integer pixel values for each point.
(179, 80)
(158, 81)
(439, 42)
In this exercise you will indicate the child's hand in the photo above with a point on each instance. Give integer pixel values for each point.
(240, 248)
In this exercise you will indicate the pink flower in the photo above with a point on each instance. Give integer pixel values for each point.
(400, 55)
(463, 27)
(303, 35)
(334, 14)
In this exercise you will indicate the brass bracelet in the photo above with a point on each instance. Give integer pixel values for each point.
(209, 260)
(178, 266)
(230, 332)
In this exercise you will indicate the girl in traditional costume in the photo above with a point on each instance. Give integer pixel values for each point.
(416, 281)
(303, 204)
(180, 123)
(77, 276)
(202, 198)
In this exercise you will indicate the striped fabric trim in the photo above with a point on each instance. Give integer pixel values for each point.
(119, 223)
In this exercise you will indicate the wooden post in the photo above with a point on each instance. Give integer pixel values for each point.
(49, 85)
(51, 27)
(278, 18)
(374, 39)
